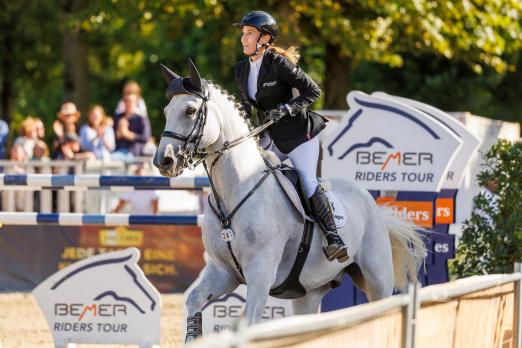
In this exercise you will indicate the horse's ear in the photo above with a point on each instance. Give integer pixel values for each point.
(168, 75)
(195, 78)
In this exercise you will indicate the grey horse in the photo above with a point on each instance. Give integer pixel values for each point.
(259, 244)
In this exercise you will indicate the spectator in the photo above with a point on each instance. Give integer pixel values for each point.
(97, 136)
(150, 147)
(140, 201)
(132, 87)
(18, 156)
(65, 133)
(4, 134)
(40, 128)
(132, 131)
(41, 151)
(27, 138)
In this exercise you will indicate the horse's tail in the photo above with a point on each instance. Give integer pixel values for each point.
(408, 248)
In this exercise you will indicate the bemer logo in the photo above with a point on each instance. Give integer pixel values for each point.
(80, 310)
(383, 158)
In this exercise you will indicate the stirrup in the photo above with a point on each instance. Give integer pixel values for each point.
(341, 254)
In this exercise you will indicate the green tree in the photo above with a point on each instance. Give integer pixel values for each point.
(478, 33)
(492, 238)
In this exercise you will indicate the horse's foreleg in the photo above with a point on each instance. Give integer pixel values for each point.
(309, 304)
(260, 276)
(213, 283)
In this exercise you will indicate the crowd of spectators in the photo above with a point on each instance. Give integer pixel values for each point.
(122, 137)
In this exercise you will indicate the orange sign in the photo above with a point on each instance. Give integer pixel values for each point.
(418, 212)
(444, 211)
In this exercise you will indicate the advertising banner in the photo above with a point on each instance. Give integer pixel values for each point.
(383, 144)
(171, 256)
(103, 299)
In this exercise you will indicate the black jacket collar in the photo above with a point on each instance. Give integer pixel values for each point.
(266, 60)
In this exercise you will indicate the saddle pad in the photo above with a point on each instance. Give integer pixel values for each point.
(291, 193)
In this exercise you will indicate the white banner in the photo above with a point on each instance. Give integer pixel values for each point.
(104, 299)
(383, 144)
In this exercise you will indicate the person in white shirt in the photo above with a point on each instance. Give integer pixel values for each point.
(142, 202)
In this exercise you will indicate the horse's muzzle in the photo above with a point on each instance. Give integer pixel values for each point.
(166, 161)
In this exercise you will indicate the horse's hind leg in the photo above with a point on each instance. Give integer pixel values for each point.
(309, 304)
(213, 283)
(375, 261)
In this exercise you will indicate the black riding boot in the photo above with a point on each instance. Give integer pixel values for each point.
(324, 215)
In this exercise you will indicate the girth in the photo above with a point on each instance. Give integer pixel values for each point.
(291, 287)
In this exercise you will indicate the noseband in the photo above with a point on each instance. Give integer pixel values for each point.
(184, 156)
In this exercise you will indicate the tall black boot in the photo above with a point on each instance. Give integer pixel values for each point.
(324, 216)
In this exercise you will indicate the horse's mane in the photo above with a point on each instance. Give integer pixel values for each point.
(231, 102)
(233, 107)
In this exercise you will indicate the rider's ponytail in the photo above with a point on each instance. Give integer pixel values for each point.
(291, 53)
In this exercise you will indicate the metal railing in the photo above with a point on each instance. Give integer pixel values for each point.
(45, 201)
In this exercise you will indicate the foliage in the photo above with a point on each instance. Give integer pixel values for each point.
(492, 238)
(479, 33)
(416, 49)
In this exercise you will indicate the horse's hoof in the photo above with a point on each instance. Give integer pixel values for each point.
(190, 338)
(194, 327)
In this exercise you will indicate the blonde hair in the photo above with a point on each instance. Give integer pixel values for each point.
(92, 109)
(291, 53)
(27, 126)
(132, 87)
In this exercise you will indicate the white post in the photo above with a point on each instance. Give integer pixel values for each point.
(407, 318)
(78, 195)
(517, 327)
(416, 309)
(46, 196)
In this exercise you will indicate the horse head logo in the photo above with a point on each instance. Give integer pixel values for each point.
(102, 299)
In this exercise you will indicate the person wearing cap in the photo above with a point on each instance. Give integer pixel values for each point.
(272, 84)
(64, 128)
(66, 142)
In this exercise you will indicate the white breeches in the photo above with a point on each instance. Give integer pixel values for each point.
(304, 158)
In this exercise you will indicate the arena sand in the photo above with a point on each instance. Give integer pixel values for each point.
(22, 325)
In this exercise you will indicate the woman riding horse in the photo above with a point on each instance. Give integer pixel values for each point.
(267, 79)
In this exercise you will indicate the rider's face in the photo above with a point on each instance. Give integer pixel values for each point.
(249, 38)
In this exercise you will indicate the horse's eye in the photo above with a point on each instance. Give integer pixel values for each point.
(190, 111)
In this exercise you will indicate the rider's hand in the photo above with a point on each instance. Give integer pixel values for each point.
(278, 113)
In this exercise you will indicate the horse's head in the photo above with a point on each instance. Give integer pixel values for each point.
(190, 126)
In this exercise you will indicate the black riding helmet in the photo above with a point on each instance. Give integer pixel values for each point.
(262, 21)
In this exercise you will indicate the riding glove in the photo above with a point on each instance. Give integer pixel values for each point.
(278, 113)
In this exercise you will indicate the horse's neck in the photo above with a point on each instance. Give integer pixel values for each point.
(237, 170)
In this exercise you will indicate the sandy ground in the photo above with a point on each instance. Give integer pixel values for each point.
(22, 325)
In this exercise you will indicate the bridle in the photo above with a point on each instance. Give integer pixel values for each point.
(193, 156)
(184, 155)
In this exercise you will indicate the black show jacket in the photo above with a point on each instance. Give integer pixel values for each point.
(276, 80)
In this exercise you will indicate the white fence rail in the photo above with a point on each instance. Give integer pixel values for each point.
(480, 311)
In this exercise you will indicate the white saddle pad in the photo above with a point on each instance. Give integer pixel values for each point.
(338, 209)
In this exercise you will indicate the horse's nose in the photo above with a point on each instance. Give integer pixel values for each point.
(165, 161)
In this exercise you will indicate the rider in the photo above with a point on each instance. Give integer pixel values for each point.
(270, 80)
